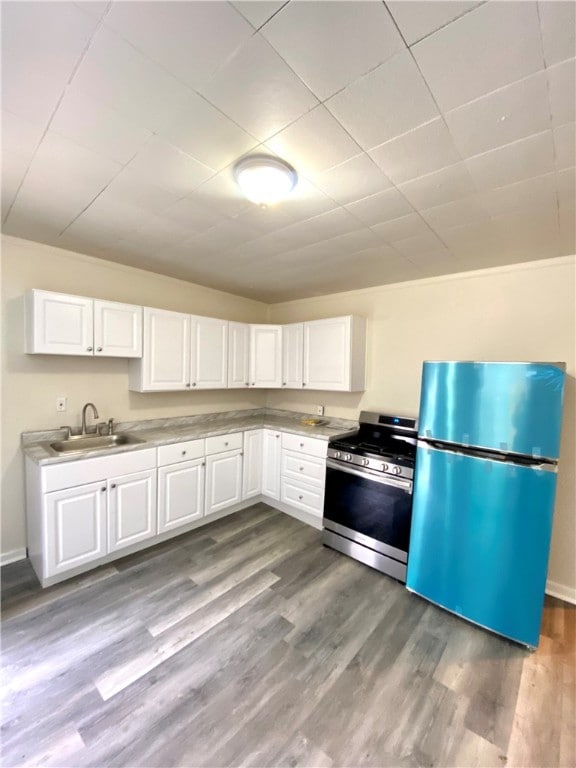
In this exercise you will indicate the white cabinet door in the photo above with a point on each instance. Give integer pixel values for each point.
(165, 363)
(252, 471)
(335, 354)
(209, 353)
(131, 509)
(58, 324)
(117, 329)
(75, 527)
(223, 480)
(271, 453)
(238, 354)
(292, 355)
(180, 494)
(265, 356)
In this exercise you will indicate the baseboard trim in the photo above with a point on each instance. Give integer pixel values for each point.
(12, 556)
(561, 591)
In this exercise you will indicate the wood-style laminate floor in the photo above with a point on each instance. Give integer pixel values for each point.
(248, 643)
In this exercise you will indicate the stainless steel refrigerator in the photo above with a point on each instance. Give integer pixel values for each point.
(484, 489)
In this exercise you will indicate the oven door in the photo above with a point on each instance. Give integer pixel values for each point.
(369, 508)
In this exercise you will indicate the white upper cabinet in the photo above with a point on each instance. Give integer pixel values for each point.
(238, 355)
(335, 354)
(165, 363)
(292, 355)
(117, 329)
(181, 352)
(209, 353)
(59, 324)
(266, 356)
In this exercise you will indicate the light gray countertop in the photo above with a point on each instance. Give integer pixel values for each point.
(157, 432)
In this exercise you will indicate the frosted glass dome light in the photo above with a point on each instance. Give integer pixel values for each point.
(265, 180)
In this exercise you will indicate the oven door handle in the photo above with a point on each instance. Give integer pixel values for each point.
(406, 485)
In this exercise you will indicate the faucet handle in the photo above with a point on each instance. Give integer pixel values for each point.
(110, 426)
(68, 431)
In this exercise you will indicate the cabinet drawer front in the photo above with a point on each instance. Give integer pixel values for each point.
(303, 496)
(221, 443)
(171, 454)
(298, 466)
(311, 445)
(81, 471)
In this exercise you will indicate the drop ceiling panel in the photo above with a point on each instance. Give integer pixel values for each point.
(329, 45)
(416, 153)
(196, 38)
(258, 90)
(374, 109)
(511, 113)
(123, 121)
(419, 18)
(492, 46)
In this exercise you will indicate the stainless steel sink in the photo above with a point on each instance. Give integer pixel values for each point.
(85, 443)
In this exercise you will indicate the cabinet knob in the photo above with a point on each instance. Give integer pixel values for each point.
(246, 383)
(99, 349)
(277, 436)
(301, 445)
(113, 485)
(303, 383)
(241, 453)
(187, 385)
(253, 383)
(300, 497)
(88, 349)
(283, 383)
(225, 443)
(301, 469)
(183, 453)
(203, 464)
(102, 489)
(193, 383)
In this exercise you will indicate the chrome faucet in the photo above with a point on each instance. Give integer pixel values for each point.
(94, 415)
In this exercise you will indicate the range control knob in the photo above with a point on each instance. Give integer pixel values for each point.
(384, 467)
(347, 457)
(397, 471)
(337, 454)
(365, 462)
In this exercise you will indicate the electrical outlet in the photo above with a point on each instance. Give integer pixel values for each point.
(61, 403)
(320, 410)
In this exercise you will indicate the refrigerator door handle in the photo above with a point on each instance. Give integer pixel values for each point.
(450, 448)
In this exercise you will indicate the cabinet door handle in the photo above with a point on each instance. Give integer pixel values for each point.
(225, 443)
(301, 469)
(301, 445)
(303, 383)
(102, 489)
(241, 453)
(99, 349)
(283, 383)
(88, 349)
(113, 485)
(203, 463)
(300, 497)
(187, 385)
(183, 453)
(276, 436)
(246, 383)
(193, 383)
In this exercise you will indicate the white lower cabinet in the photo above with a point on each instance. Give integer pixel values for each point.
(180, 494)
(271, 452)
(131, 509)
(252, 464)
(303, 473)
(223, 480)
(75, 527)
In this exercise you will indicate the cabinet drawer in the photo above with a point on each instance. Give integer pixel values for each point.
(301, 443)
(189, 449)
(82, 471)
(221, 443)
(302, 496)
(298, 466)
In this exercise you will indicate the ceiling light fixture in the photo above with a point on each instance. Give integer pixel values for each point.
(265, 180)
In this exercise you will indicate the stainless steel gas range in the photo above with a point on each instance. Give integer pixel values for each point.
(368, 499)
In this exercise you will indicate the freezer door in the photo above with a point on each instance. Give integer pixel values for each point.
(480, 539)
(510, 407)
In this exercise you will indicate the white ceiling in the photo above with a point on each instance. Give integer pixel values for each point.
(429, 137)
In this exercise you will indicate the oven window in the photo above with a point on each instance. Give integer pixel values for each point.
(380, 511)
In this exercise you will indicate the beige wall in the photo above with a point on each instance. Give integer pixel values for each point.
(523, 312)
(31, 383)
